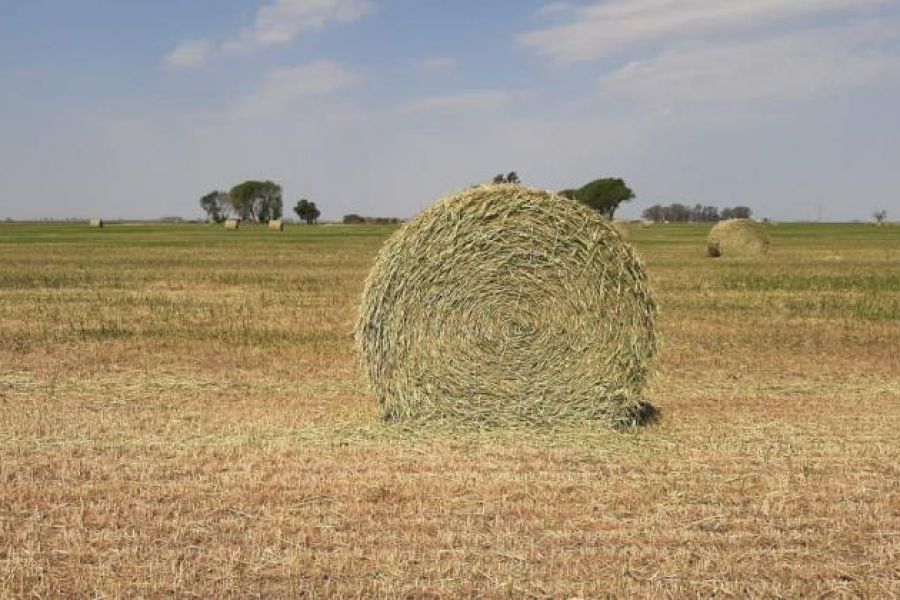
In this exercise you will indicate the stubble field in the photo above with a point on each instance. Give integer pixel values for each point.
(181, 413)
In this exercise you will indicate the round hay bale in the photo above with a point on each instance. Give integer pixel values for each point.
(623, 227)
(96, 223)
(506, 304)
(737, 237)
(232, 224)
(276, 225)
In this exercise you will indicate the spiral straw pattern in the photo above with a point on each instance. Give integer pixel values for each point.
(737, 237)
(507, 304)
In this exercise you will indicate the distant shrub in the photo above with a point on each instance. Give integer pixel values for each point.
(354, 219)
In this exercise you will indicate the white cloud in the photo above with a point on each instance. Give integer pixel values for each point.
(463, 101)
(605, 29)
(734, 76)
(552, 9)
(189, 54)
(285, 87)
(282, 21)
(439, 63)
(279, 22)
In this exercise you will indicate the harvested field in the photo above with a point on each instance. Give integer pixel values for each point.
(175, 420)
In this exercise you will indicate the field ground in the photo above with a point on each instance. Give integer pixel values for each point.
(181, 414)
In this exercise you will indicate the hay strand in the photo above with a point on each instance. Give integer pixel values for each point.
(736, 238)
(506, 304)
(623, 227)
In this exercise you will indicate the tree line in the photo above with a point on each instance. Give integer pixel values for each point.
(680, 213)
(603, 195)
(261, 201)
(255, 202)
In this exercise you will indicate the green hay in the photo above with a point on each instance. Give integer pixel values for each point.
(504, 305)
(738, 237)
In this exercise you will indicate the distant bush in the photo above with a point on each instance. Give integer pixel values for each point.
(354, 219)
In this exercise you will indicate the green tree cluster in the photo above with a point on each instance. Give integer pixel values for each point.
(256, 201)
(307, 211)
(253, 201)
(603, 195)
(511, 177)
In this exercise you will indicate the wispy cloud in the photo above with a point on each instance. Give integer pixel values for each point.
(553, 9)
(278, 22)
(189, 54)
(439, 63)
(284, 88)
(735, 75)
(283, 20)
(605, 29)
(462, 101)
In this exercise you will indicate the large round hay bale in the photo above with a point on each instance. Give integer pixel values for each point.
(96, 223)
(507, 304)
(276, 225)
(738, 237)
(623, 227)
(232, 224)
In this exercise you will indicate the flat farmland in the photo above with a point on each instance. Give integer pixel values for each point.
(182, 413)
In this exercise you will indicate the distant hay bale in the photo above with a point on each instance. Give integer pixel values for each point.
(96, 223)
(506, 304)
(232, 224)
(276, 225)
(738, 237)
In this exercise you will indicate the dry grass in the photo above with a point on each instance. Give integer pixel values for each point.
(505, 304)
(174, 421)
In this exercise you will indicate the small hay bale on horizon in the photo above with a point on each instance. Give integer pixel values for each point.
(96, 223)
(232, 224)
(503, 304)
(276, 225)
(738, 238)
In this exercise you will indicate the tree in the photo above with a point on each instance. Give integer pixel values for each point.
(215, 205)
(880, 216)
(710, 214)
(307, 211)
(653, 213)
(741, 212)
(511, 177)
(677, 213)
(603, 195)
(257, 201)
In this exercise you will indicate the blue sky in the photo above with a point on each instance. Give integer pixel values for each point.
(136, 109)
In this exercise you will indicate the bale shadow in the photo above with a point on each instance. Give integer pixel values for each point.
(644, 414)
